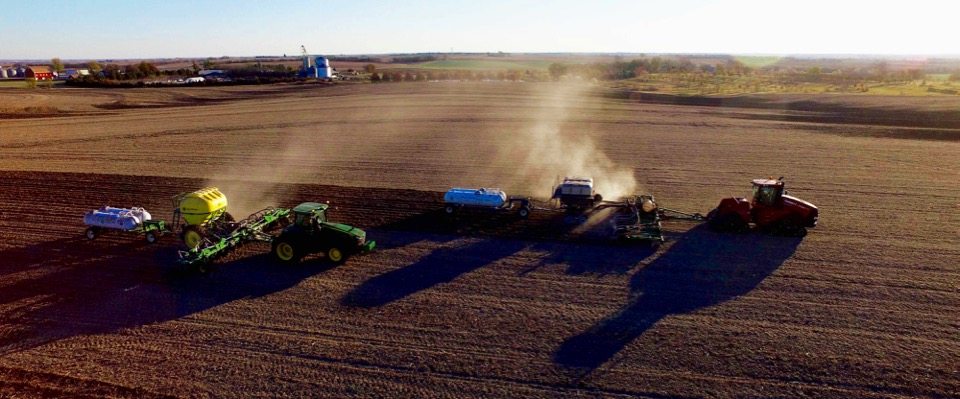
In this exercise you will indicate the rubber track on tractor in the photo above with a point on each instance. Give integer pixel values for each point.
(253, 228)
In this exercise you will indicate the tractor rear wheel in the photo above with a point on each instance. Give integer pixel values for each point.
(286, 252)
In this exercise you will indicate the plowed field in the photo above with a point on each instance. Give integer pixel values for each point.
(483, 305)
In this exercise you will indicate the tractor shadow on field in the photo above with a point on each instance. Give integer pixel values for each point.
(592, 258)
(701, 269)
(441, 266)
(104, 286)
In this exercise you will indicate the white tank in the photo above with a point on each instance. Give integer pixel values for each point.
(576, 186)
(485, 197)
(3, 73)
(116, 218)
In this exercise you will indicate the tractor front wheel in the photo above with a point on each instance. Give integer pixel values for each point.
(336, 255)
(286, 251)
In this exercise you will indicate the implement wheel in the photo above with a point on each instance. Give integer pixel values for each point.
(91, 233)
(151, 237)
(192, 237)
(286, 251)
(524, 212)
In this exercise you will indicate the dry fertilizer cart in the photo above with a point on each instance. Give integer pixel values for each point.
(202, 215)
(577, 194)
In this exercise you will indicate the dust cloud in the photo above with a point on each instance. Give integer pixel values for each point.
(251, 185)
(546, 141)
(548, 150)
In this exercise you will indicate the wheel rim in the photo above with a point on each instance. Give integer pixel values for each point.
(285, 251)
(449, 209)
(192, 239)
(151, 238)
(91, 235)
(335, 255)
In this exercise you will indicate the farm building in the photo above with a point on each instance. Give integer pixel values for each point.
(73, 73)
(39, 72)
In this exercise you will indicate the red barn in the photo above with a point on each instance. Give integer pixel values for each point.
(39, 73)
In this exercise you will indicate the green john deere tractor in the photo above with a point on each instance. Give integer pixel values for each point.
(310, 233)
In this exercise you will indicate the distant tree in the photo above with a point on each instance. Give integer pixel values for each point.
(147, 69)
(195, 67)
(112, 71)
(370, 68)
(375, 77)
(557, 70)
(655, 64)
(57, 65)
(882, 70)
(209, 64)
(94, 67)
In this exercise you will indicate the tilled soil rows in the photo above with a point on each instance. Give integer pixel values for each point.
(461, 308)
(483, 304)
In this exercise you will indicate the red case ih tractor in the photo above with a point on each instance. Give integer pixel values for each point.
(770, 209)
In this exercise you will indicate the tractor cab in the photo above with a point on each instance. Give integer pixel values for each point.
(310, 215)
(767, 192)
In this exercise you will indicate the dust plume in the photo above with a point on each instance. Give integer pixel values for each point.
(254, 184)
(551, 149)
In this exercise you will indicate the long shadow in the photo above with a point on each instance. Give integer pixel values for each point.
(107, 287)
(701, 269)
(599, 258)
(440, 266)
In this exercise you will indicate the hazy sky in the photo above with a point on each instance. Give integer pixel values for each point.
(83, 29)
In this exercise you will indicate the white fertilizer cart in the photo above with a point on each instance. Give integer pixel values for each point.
(130, 220)
(485, 199)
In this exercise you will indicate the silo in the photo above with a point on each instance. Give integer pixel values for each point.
(3, 73)
(324, 71)
(11, 73)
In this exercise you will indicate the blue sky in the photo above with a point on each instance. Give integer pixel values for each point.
(86, 29)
